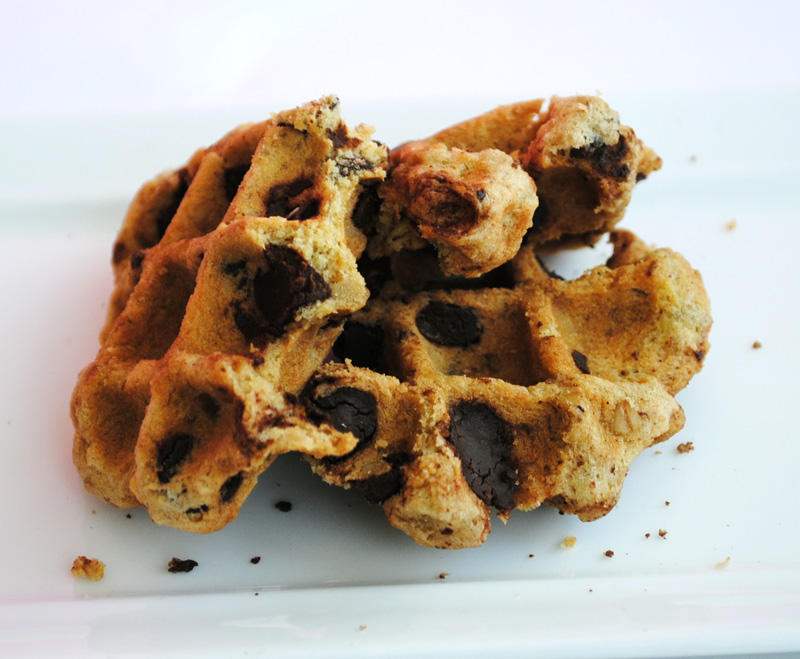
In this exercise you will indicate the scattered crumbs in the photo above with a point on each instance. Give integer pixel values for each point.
(685, 447)
(129, 516)
(88, 568)
(662, 533)
(255, 560)
(609, 554)
(646, 535)
(591, 590)
(361, 628)
(756, 344)
(723, 564)
(444, 575)
(94, 512)
(730, 226)
(666, 503)
(256, 593)
(284, 506)
(569, 541)
(181, 565)
(530, 555)
(658, 452)
(693, 159)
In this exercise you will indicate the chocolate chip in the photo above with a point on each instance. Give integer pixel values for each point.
(171, 453)
(481, 194)
(209, 405)
(351, 410)
(286, 284)
(378, 489)
(483, 444)
(230, 487)
(293, 200)
(348, 165)
(340, 138)
(363, 345)
(255, 560)
(581, 361)
(366, 209)
(449, 325)
(232, 179)
(182, 565)
(137, 259)
(604, 158)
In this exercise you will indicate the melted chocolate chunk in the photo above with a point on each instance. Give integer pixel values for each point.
(233, 179)
(351, 410)
(365, 212)
(363, 345)
(230, 487)
(449, 325)
(483, 444)
(340, 138)
(287, 284)
(378, 489)
(581, 361)
(209, 405)
(292, 200)
(171, 453)
(604, 158)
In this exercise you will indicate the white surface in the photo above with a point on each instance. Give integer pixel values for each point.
(333, 575)
(97, 97)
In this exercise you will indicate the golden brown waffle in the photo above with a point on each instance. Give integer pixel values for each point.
(232, 277)
(463, 191)
(544, 391)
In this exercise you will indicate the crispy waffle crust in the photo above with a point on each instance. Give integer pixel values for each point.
(542, 391)
(295, 287)
(232, 275)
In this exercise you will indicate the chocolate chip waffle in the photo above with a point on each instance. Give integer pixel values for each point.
(539, 392)
(232, 276)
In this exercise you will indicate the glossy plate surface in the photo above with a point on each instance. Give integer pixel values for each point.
(333, 576)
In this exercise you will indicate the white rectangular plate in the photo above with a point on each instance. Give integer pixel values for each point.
(333, 576)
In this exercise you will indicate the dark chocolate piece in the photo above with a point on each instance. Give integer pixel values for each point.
(171, 453)
(484, 444)
(449, 325)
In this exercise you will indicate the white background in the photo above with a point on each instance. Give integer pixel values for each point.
(92, 56)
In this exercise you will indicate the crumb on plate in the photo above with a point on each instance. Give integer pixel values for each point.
(88, 568)
(685, 447)
(569, 541)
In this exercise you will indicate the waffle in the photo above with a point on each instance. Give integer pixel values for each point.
(232, 276)
(583, 162)
(541, 391)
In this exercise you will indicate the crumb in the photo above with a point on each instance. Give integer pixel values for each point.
(666, 503)
(255, 560)
(646, 535)
(256, 594)
(530, 555)
(609, 554)
(685, 447)
(129, 516)
(181, 565)
(756, 344)
(284, 506)
(569, 541)
(723, 564)
(662, 533)
(693, 159)
(730, 226)
(361, 628)
(88, 568)
(444, 575)
(658, 452)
